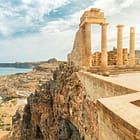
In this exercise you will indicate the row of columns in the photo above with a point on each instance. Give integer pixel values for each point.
(104, 58)
(119, 46)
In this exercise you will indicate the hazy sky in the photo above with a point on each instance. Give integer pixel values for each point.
(35, 30)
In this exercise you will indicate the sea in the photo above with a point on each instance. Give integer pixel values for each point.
(12, 70)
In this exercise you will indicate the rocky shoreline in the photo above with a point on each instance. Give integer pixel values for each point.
(15, 88)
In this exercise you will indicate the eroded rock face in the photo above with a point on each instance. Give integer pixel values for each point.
(60, 110)
(67, 131)
(16, 119)
(26, 123)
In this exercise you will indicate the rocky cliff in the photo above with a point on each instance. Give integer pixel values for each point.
(58, 110)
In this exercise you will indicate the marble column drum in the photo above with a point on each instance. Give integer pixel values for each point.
(132, 47)
(119, 45)
(104, 45)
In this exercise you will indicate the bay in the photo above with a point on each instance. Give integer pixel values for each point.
(12, 70)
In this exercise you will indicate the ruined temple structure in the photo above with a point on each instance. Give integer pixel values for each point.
(112, 57)
(81, 53)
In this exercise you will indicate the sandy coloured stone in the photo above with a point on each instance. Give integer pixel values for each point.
(119, 45)
(104, 45)
(81, 54)
(132, 47)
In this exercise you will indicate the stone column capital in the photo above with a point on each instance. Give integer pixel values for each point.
(104, 24)
(132, 29)
(120, 26)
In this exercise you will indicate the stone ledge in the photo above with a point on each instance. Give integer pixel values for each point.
(122, 112)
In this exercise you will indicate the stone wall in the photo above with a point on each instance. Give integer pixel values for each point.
(125, 56)
(76, 55)
(98, 88)
(112, 57)
(96, 59)
(118, 118)
(110, 126)
(137, 57)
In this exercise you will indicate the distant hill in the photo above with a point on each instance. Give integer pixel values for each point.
(27, 64)
(18, 64)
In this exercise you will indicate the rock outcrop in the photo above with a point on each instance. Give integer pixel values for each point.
(59, 110)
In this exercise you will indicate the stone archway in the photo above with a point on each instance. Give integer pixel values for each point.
(81, 54)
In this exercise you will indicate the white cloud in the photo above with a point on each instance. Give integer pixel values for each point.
(27, 1)
(42, 7)
(25, 15)
(4, 27)
(37, 47)
(112, 7)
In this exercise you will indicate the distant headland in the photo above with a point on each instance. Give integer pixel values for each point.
(27, 64)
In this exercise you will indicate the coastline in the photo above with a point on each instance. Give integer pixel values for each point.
(12, 89)
(5, 71)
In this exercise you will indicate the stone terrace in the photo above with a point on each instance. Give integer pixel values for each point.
(119, 118)
(118, 103)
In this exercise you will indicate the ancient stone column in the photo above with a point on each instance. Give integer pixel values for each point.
(119, 45)
(88, 51)
(132, 47)
(104, 45)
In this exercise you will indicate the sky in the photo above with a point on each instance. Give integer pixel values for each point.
(36, 30)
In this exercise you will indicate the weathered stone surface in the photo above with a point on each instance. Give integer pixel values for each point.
(61, 111)
(67, 131)
(26, 124)
(114, 124)
(132, 47)
(66, 109)
(81, 54)
(112, 57)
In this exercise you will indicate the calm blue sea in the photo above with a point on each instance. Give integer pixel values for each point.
(8, 71)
